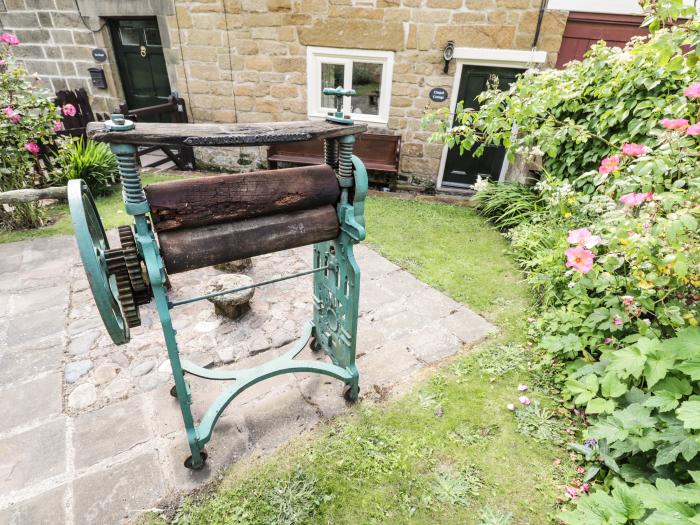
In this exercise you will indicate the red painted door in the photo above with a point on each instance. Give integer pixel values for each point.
(585, 29)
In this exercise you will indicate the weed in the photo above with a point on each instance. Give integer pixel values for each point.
(489, 516)
(456, 488)
(539, 424)
(296, 498)
(467, 434)
(500, 359)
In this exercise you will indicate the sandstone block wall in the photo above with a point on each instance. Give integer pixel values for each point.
(245, 60)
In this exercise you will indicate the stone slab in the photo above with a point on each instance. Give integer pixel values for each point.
(22, 363)
(31, 401)
(32, 456)
(120, 492)
(35, 325)
(47, 508)
(110, 431)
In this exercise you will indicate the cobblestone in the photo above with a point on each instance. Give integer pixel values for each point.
(92, 433)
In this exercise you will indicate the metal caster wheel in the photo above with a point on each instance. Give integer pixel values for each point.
(189, 465)
(314, 345)
(347, 394)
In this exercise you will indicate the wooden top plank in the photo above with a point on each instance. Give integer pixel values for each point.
(159, 134)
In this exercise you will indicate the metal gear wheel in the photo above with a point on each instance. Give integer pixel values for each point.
(141, 290)
(116, 266)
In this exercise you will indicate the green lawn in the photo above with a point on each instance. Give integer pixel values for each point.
(449, 452)
(111, 210)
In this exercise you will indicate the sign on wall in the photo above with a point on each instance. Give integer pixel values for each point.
(438, 94)
(99, 54)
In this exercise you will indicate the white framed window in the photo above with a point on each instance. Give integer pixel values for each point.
(367, 72)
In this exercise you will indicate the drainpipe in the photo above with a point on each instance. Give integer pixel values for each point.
(543, 8)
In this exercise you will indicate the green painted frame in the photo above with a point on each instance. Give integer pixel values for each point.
(336, 289)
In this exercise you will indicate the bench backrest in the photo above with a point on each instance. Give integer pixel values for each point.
(370, 147)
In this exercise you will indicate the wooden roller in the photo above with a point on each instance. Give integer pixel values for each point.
(192, 248)
(223, 198)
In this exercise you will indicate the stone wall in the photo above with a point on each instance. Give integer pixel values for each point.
(245, 60)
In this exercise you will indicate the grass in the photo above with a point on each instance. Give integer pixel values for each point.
(111, 208)
(449, 452)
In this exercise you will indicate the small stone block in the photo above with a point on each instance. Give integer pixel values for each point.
(235, 266)
(231, 305)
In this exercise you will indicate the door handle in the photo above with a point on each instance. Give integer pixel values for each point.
(143, 51)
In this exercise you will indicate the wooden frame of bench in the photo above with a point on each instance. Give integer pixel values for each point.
(310, 152)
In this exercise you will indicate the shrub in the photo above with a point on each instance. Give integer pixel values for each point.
(28, 124)
(93, 162)
(614, 252)
(507, 204)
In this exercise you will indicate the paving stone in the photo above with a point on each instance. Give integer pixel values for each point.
(83, 343)
(35, 325)
(46, 508)
(386, 365)
(118, 493)
(431, 344)
(35, 300)
(117, 389)
(31, 401)
(105, 373)
(83, 396)
(73, 371)
(141, 369)
(20, 363)
(227, 446)
(109, 431)
(468, 326)
(33, 456)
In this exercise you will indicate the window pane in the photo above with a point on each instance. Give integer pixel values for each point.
(130, 36)
(366, 81)
(332, 76)
(152, 36)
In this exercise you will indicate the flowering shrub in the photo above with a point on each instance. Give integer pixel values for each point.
(614, 256)
(28, 123)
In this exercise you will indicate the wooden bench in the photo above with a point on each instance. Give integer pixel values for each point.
(380, 153)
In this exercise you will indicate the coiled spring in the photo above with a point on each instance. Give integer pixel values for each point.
(345, 162)
(131, 182)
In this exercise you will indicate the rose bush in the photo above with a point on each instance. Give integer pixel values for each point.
(613, 253)
(28, 124)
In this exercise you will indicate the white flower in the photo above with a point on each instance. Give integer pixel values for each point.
(480, 184)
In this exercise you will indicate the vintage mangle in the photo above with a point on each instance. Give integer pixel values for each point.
(194, 223)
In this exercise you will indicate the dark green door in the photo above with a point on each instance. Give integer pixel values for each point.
(139, 55)
(462, 170)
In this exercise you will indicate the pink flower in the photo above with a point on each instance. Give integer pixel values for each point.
(692, 91)
(607, 340)
(522, 388)
(586, 488)
(69, 110)
(58, 126)
(634, 150)
(627, 300)
(571, 492)
(12, 115)
(583, 237)
(580, 259)
(580, 469)
(635, 199)
(693, 130)
(609, 164)
(674, 123)
(617, 321)
(510, 406)
(9, 39)
(32, 147)
(524, 400)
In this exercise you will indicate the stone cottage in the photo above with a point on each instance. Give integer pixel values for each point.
(268, 60)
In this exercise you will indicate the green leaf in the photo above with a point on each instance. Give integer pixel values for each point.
(686, 345)
(609, 428)
(689, 413)
(599, 406)
(664, 401)
(657, 366)
(627, 362)
(611, 386)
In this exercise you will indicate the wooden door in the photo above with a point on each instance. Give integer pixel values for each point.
(461, 171)
(139, 54)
